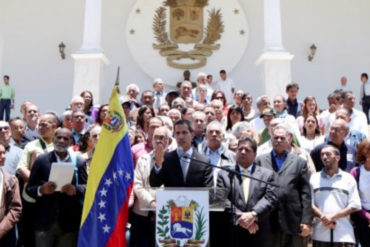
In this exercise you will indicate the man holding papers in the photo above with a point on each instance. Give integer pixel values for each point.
(58, 207)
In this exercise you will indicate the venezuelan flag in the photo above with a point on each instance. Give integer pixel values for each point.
(109, 185)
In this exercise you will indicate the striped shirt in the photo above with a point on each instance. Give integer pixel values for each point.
(331, 195)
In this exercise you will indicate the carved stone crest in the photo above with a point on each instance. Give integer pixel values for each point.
(186, 27)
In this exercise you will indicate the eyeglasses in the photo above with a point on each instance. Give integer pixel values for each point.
(160, 138)
(338, 130)
(4, 128)
(95, 136)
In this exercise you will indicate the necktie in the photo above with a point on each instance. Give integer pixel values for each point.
(245, 185)
(184, 162)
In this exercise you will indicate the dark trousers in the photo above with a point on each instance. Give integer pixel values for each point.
(328, 244)
(55, 237)
(366, 109)
(9, 239)
(142, 231)
(281, 239)
(26, 225)
(224, 233)
(362, 230)
(5, 108)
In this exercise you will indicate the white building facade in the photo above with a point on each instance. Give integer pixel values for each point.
(272, 50)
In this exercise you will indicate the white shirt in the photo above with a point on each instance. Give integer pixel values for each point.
(365, 188)
(358, 121)
(143, 192)
(308, 144)
(331, 195)
(367, 89)
(226, 86)
(257, 124)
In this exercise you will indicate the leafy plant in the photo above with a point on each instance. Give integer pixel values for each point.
(162, 226)
(200, 224)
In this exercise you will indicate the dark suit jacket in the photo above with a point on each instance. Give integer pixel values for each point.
(199, 175)
(294, 192)
(262, 199)
(64, 209)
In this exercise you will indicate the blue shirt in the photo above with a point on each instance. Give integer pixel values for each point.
(214, 155)
(279, 160)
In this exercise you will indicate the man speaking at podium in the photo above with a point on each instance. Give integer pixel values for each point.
(180, 168)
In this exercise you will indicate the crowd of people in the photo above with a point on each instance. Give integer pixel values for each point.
(318, 158)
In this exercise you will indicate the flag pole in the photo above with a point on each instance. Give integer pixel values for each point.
(117, 80)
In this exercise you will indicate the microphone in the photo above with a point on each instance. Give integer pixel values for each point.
(227, 169)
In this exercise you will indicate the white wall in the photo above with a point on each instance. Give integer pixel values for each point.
(32, 31)
(1, 41)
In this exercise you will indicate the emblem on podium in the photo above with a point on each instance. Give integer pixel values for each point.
(182, 220)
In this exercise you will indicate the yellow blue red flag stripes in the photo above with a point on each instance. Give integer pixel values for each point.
(109, 185)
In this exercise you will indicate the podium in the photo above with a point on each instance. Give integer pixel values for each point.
(182, 214)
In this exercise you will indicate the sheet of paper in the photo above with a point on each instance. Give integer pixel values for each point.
(61, 173)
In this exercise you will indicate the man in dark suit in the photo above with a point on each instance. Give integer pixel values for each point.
(57, 214)
(291, 221)
(176, 169)
(252, 199)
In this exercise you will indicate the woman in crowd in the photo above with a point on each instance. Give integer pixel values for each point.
(234, 116)
(282, 112)
(87, 142)
(362, 175)
(310, 107)
(89, 103)
(311, 136)
(143, 117)
(221, 96)
(102, 114)
(139, 137)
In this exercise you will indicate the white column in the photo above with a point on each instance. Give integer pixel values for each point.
(275, 61)
(92, 27)
(272, 26)
(90, 60)
(1, 53)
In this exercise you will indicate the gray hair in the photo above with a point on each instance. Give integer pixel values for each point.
(218, 124)
(284, 127)
(168, 131)
(157, 80)
(133, 86)
(261, 99)
(174, 111)
(67, 113)
(201, 74)
(199, 112)
(167, 122)
(238, 128)
(178, 101)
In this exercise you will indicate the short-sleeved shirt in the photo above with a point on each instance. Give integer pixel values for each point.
(331, 195)
(30, 148)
